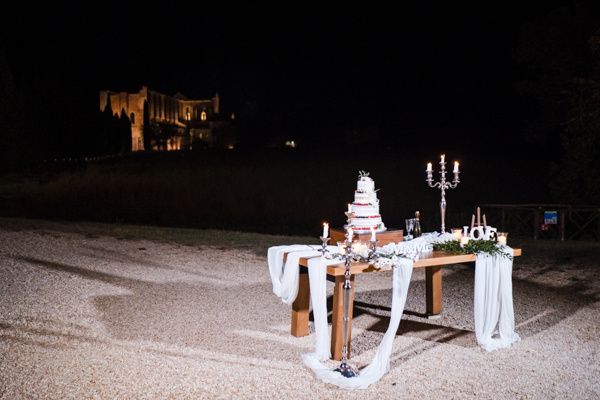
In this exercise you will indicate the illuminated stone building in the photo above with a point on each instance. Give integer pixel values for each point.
(170, 122)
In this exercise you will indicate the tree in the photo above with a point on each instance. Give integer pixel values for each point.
(10, 118)
(576, 178)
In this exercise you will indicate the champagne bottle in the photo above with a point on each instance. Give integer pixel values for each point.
(417, 230)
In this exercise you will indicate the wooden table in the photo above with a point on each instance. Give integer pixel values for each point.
(335, 273)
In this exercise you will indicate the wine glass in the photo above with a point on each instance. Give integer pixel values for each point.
(410, 224)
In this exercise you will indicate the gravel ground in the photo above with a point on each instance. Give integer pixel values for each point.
(98, 317)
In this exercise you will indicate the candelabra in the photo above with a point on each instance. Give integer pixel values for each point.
(345, 369)
(443, 185)
(349, 257)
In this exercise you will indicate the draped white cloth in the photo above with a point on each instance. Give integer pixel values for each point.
(286, 287)
(285, 280)
(380, 363)
(493, 301)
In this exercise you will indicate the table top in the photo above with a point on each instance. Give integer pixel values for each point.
(436, 258)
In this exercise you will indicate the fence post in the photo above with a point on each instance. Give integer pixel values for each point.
(536, 223)
(562, 224)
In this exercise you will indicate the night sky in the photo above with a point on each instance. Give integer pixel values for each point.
(447, 72)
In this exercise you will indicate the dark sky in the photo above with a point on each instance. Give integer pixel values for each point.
(442, 70)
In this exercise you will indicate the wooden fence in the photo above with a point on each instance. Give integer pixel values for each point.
(574, 222)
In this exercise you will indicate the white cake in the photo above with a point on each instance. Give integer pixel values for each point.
(365, 207)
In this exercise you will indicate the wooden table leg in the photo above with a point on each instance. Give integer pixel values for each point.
(300, 307)
(433, 290)
(337, 318)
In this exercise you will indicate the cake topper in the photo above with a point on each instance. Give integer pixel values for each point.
(363, 174)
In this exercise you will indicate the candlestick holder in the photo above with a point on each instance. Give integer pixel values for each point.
(345, 369)
(372, 249)
(443, 185)
(349, 256)
(324, 241)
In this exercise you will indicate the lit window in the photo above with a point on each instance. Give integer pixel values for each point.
(187, 113)
(290, 143)
(203, 116)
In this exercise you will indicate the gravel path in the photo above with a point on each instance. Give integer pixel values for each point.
(105, 318)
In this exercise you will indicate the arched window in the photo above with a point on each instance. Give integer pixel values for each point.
(203, 116)
(132, 118)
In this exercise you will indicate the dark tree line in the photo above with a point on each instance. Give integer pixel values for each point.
(114, 133)
(558, 82)
(10, 118)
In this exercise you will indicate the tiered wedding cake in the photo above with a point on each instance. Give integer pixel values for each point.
(365, 207)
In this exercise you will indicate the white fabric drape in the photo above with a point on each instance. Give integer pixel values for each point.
(285, 279)
(493, 301)
(381, 361)
(286, 287)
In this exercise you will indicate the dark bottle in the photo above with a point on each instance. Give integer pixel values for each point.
(417, 230)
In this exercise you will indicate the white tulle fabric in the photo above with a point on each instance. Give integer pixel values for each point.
(285, 279)
(493, 301)
(381, 361)
(286, 287)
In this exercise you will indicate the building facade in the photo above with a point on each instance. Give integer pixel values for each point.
(169, 122)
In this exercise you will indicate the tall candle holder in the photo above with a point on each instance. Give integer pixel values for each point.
(345, 369)
(443, 185)
(349, 257)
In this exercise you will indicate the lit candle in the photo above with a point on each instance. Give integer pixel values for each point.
(456, 171)
(443, 157)
(429, 167)
(478, 216)
(325, 230)
(472, 221)
(457, 234)
(484, 221)
(502, 238)
(373, 237)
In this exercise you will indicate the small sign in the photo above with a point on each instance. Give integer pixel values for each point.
(550, 217)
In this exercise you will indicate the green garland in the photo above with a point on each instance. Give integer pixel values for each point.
(474, 246)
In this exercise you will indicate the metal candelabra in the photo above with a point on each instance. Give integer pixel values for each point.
(443, 185)
(344, 368)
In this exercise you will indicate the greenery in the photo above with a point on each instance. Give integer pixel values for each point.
(474, 246)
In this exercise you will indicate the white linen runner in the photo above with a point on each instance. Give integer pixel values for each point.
(493, 301)
(286, 287)
(381, 361)
(285, 280)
